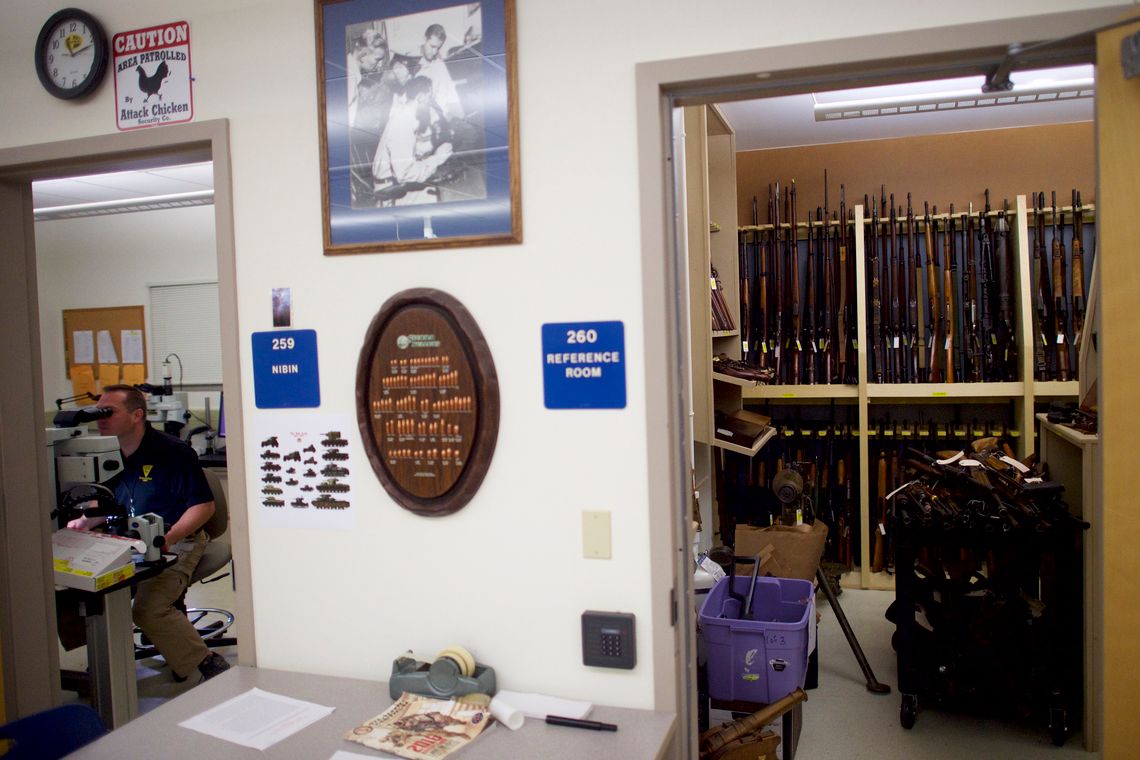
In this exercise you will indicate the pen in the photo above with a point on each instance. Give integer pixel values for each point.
(558, 720)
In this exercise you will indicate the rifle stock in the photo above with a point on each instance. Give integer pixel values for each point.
(881, 486)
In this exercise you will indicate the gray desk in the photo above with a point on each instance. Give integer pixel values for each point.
(640, 734)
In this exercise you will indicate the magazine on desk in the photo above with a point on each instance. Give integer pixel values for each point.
(423, 727)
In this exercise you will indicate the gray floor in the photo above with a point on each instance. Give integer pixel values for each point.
(155, 684)
(842, 720)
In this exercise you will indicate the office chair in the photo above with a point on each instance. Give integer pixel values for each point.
(52, 733)
(212, 623)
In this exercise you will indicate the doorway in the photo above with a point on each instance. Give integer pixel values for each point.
(666, 86)
(31, 661)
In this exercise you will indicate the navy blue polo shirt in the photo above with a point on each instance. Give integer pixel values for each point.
(162, 476)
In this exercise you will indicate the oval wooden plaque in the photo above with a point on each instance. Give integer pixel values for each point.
(427, 401)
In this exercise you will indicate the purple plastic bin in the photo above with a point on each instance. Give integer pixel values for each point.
(763, 658)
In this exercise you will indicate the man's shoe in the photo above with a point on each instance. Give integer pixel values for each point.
(212, 666)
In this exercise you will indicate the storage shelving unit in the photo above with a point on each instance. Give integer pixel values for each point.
(1022, 394)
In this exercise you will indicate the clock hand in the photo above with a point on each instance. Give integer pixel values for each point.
(80, 50)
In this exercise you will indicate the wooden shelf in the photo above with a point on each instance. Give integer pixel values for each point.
(1073, 436)
(801, 391)
(725, 333)
(929, 391)
(747, 451)
(742, 382)
(1056, 388)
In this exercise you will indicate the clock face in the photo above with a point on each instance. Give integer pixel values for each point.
(71, 54)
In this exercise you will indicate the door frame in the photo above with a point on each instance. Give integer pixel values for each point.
(662, 86)
(27, 608)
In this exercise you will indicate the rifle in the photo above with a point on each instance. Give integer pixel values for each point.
(762, 310)
(794, 295)
(986, 286)
(970, 302)
(898, 292)
(881, 486)
(876, 295)
(933, 306)
(778, 290)
(743, 266)
(1041, 348)
(810, 329)
(828, 314)
(1006, 335)
(1078, 270)
(949, 279)
(841, 310)
(914, 264)
(1059, 306)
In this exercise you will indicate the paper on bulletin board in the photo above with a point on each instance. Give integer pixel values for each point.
(108, 375)
(82, 381)
(134, 374)
(305, 469)
(132, 343)
(107, 353)
(84, 347)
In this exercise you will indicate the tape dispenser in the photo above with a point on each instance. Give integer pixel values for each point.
(454, 673)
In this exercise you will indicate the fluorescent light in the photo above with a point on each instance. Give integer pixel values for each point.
(124, 205)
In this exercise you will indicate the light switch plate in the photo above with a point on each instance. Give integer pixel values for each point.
(608, 640)
(596, 542)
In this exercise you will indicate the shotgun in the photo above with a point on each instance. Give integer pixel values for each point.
(1042, 358)
(1078, 270)
(933, 305)
(794, 288)
(876, 294)
(949, 279)
(1060, 309)
(841, 309)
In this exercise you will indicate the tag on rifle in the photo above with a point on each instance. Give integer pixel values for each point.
(744, 346)
(1060, 339)
(799, 516)
(798, 346)
(1044, 340)
(896, 345)
(882, 529)
(949, 343)
(712, 283)
(855, 344)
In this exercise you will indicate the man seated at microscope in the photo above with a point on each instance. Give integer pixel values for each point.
(161, 474)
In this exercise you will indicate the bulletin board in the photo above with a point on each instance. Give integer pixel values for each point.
(104, 346)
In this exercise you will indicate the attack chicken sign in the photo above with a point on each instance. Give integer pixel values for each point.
(152, 76)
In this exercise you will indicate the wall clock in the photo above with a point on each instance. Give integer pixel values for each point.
(71, 54)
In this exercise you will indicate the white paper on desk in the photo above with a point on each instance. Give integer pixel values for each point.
(541, 705)
(257, 718)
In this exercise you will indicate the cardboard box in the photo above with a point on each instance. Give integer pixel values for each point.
(786, 551)
(91, 561)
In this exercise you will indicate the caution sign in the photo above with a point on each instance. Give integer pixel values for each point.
(152, 76)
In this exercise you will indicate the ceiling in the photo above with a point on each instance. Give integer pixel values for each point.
(790, 121)
(116, 192)
(759, 124)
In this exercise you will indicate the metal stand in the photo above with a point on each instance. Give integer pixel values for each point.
(873, 684)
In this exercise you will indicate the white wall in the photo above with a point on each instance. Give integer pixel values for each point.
(504, 576)
(110, 261)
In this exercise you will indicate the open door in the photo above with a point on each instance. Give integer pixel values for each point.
(1115, 654)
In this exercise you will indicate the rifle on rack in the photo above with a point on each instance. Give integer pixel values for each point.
(1006, 335)
(841, 309)
(949, 280)
(1060, 308)
(1042, 359)
(778, 289)
(810, 327)
(827, 314)
(986, 285)
(933, 305)
(914, 266)
(794, 295)
(744, 268)
(876, 293)
(762, 307)
(881, 511)
(1078, 269)
(898, 293)
(970, 302)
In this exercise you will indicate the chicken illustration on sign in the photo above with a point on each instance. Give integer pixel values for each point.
(153, 81)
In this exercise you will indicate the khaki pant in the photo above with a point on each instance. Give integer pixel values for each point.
(165, 625)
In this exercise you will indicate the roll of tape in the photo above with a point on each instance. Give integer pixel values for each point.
(462, 658)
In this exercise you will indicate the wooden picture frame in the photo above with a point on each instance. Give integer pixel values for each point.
(427, 401)
(418, 123)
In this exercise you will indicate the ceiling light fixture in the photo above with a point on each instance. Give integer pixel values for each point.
(1036, 92)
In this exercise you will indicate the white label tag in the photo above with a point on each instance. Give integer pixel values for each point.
(949, 343)
(1060, 339)
(744, 346)
(882, 529)
(952, 459)
(969, 463)
(712, 283)
(1015, 464)
(896, 345)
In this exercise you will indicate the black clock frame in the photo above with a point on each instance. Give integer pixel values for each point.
(101, 54)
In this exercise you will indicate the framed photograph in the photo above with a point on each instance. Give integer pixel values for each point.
(418, 124)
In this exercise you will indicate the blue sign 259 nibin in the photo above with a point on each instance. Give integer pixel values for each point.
(285, 371)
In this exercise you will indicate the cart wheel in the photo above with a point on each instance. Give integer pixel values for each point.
(908, 711)
(1058, 726)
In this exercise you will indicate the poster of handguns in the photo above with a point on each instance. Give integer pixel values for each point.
(941, 299)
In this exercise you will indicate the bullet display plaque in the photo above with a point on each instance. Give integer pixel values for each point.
(427, 401)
